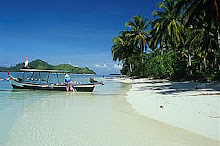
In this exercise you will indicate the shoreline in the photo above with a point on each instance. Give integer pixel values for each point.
(191, 106)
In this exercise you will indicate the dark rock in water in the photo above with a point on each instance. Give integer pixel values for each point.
(162, 106)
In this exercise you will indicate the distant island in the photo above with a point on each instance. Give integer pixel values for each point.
(40, 64)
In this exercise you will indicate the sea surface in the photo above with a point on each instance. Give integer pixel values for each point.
(103, 117)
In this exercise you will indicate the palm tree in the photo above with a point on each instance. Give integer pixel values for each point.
(167, 26)
(195, 7)
(138, 33)
(123, 48)
(209, 11)
(139, 36)
(192, 42)
(132, 43)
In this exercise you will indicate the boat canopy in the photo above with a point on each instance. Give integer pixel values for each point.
(38, 70)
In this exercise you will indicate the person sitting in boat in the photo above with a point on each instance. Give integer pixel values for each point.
(92, 80)
(69, 86)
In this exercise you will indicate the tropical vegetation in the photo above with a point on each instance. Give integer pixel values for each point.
(40, 64)
(182, 42)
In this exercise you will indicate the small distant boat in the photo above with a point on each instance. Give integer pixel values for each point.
(91, 80)
(41, 84)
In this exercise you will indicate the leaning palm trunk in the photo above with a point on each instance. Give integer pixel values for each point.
(130, 66)
(218, 47)
(161, 52)
(189, 58)
(218, 39)
(204, 61)
(161, 55)
(190, 63)
(200, 67)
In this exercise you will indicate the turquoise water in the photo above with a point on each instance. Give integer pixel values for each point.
(103, 117)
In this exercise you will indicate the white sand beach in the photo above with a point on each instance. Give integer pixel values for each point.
(188, 105)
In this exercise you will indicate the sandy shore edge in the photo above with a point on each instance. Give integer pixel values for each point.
(189, 105)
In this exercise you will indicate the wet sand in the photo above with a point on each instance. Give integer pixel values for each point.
(188, 105)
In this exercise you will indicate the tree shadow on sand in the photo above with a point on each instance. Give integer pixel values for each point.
(168, 87)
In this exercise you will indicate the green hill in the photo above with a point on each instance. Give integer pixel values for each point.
(3, 69)
(73, 69)
(40, 64)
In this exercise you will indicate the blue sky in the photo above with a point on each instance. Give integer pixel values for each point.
(78, 32)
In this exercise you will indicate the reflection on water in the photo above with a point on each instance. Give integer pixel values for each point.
(103, 117)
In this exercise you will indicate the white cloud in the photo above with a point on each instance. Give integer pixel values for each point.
(76, 65)
(105, 65)
(106, 68)
(97, 66)
(109, 67)
(117, 66)
(101, 66)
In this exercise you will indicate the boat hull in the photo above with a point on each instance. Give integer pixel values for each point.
(53, 87)
(84, 89)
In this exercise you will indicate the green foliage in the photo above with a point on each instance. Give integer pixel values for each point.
(16, 68)
(183, 40)
(3, 69)
(203, 76)
(73, 69)
(158, 66)
(180, 71)
(40, 64)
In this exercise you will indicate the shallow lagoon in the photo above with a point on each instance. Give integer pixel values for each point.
(103, 117)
